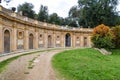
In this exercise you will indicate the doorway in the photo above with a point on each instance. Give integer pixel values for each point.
(49, 41)
(6, 41)
(67, 40)
(31, 41)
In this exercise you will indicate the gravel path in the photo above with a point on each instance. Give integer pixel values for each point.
(42, 69)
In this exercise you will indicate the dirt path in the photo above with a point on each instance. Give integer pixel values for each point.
(42, 69)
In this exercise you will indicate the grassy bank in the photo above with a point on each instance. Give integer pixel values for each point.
(87, 64)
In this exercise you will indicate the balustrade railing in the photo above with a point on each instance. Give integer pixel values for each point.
(24, 18)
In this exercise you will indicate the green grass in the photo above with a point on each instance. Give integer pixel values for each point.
(87, 64)
(115, 51)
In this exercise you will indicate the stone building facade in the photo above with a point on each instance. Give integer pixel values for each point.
(21, 33)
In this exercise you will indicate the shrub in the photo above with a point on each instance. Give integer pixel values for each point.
(102, 37)
(116, 32)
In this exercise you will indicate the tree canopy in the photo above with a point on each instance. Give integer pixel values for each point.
(88, 13)
(43, 14)
(27, 10)
(94, 12)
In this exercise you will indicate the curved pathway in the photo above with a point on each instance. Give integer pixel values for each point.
(42, 69)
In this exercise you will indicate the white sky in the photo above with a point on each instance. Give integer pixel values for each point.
(61, 7)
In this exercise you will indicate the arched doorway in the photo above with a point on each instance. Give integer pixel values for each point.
(31, 41)
(49, 41)
(6, 41)
(67, 40)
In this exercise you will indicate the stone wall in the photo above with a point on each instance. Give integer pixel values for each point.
(25, 33)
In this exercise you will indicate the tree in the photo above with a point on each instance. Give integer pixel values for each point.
(74, 12)
(116, 32)
(74, 16)
(27, 10)
(102, 37)
(54, 18)
(43, 14)
(95, 12)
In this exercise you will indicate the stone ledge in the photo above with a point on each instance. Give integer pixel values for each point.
(103, 51)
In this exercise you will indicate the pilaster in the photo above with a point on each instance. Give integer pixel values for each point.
(45, 39)
(54, 39)
(26, 37)
(73, 40)
(63, 40)
(89, 41)
(36, 39)
(14, 38)
(1, 38)
(81, 41)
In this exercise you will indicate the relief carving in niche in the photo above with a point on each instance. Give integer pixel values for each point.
(41, 43)
(77, 41)
(20, 39)
(57, 41)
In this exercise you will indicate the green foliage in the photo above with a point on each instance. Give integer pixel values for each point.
(74, 12)
(116, 32)
(94, 12)
(115, 51)
(87, 64)
(102, 42)
(26, 9)
(30, 65)
(102, 37)
(43, 14)
(3, 64)
(54, 18)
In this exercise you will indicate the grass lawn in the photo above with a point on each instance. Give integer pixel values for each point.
(87, 64)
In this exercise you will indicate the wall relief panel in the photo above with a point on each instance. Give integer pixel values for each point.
(20, 39)
(77, 41)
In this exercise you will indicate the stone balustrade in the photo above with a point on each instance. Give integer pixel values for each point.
(24, 18)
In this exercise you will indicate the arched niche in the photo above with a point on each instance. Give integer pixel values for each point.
(6, 41)
(67, 40)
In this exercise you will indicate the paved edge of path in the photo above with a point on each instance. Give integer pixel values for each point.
(13, 54)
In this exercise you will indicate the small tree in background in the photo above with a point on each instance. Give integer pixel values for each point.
(116, 32)
(43, 14)
(27, 10)
(102, 37)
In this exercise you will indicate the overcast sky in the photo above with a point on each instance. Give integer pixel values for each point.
(61, 7)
